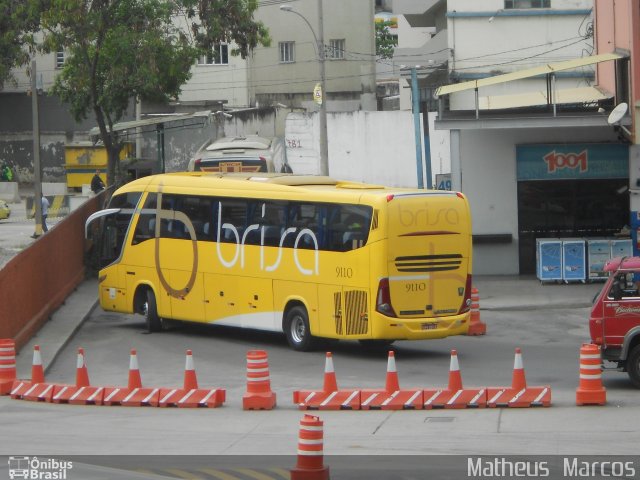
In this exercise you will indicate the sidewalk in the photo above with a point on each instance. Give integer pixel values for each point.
(496, 293)
(527, 292)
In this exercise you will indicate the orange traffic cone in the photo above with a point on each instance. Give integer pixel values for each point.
(7, 365)
(36, 389)
(135, 380)
(455, 378)
(330, 382)
(329, 397)
(310, 464)
(190, 380)
(259, 395)
(519, 380)
(82, 374)
(37, 371)
(392, 383)
(476, 326)
(590, 390)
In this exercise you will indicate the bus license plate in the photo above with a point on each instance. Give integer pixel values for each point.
(429, 326)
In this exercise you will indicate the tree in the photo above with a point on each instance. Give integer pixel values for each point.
(385, 41)
(18, 21)
(120, 50)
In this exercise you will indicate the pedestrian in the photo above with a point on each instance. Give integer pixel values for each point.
(45, 213)
(97, 185)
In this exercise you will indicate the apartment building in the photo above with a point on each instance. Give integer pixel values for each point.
(516, 83)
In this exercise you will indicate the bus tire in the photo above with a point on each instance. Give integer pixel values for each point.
(633, 366)
(296, 328)
(150, 308)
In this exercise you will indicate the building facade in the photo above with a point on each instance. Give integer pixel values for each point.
(531, 148)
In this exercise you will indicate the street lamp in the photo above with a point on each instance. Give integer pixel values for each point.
(324, 148)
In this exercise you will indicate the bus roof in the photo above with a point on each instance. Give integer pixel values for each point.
(268, 182)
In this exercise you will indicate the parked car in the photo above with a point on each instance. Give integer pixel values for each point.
(614, 322)
(5, 211)
(251, 153)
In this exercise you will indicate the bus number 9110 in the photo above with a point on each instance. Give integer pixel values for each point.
(415, 287)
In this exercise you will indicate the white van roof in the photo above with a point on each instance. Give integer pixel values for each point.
(247, 142)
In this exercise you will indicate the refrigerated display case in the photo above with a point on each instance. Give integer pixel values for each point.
(549, 259)
(621, 247)
(598, 252)
(574, 260)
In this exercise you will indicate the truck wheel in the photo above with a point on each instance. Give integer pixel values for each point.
(296, 328)
(633, 366)
(153, 321)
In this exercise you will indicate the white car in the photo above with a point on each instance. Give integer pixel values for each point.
(251, 153)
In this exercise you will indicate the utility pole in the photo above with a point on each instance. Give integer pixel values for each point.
(37, 177)
(324, 141)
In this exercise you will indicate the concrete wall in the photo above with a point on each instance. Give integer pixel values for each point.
(182, 143)
(371, 147)
(57, 127)
(35, 283)
(488, 178)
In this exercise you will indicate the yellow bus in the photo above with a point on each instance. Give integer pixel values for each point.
(309, 256)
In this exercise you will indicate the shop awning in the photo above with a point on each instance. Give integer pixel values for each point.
(531, 99)
(528, 73)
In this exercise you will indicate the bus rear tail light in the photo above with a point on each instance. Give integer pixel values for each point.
(383, 299)
(466, 301)
(197, 163)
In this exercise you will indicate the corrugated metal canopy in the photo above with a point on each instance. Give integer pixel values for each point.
(569, 95)
(527, 73)
(155, 121)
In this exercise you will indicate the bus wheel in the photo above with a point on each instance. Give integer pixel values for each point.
(375, 344)
(296, 328)
(153, 321)
(633, 366)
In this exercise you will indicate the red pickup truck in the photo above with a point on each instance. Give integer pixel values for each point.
(614, 323)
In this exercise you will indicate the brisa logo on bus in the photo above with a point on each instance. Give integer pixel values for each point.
(239, 243)
(558, 161)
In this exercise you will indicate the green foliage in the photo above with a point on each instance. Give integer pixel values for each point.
(18, 21)
(385, 42)
(120, 50)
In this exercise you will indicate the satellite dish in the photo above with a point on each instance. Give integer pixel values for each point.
(617, 113)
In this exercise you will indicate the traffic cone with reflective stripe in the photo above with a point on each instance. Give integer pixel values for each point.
(191, 396)
(82, 374)
(7, 365)
(330, 382)
(134, 394)
(590, 390)
(392, 397)
(36, 389)
(455, 395)
(392, 383)
(455, 378)
(190, 380)
(476, 326)
(259, 395)
(519, 394)
(37, 371)
(310, 463)
(82, 393)
(135, 380)
(329, 398)
(518, 381)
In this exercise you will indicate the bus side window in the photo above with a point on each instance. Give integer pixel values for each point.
(145, 228)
